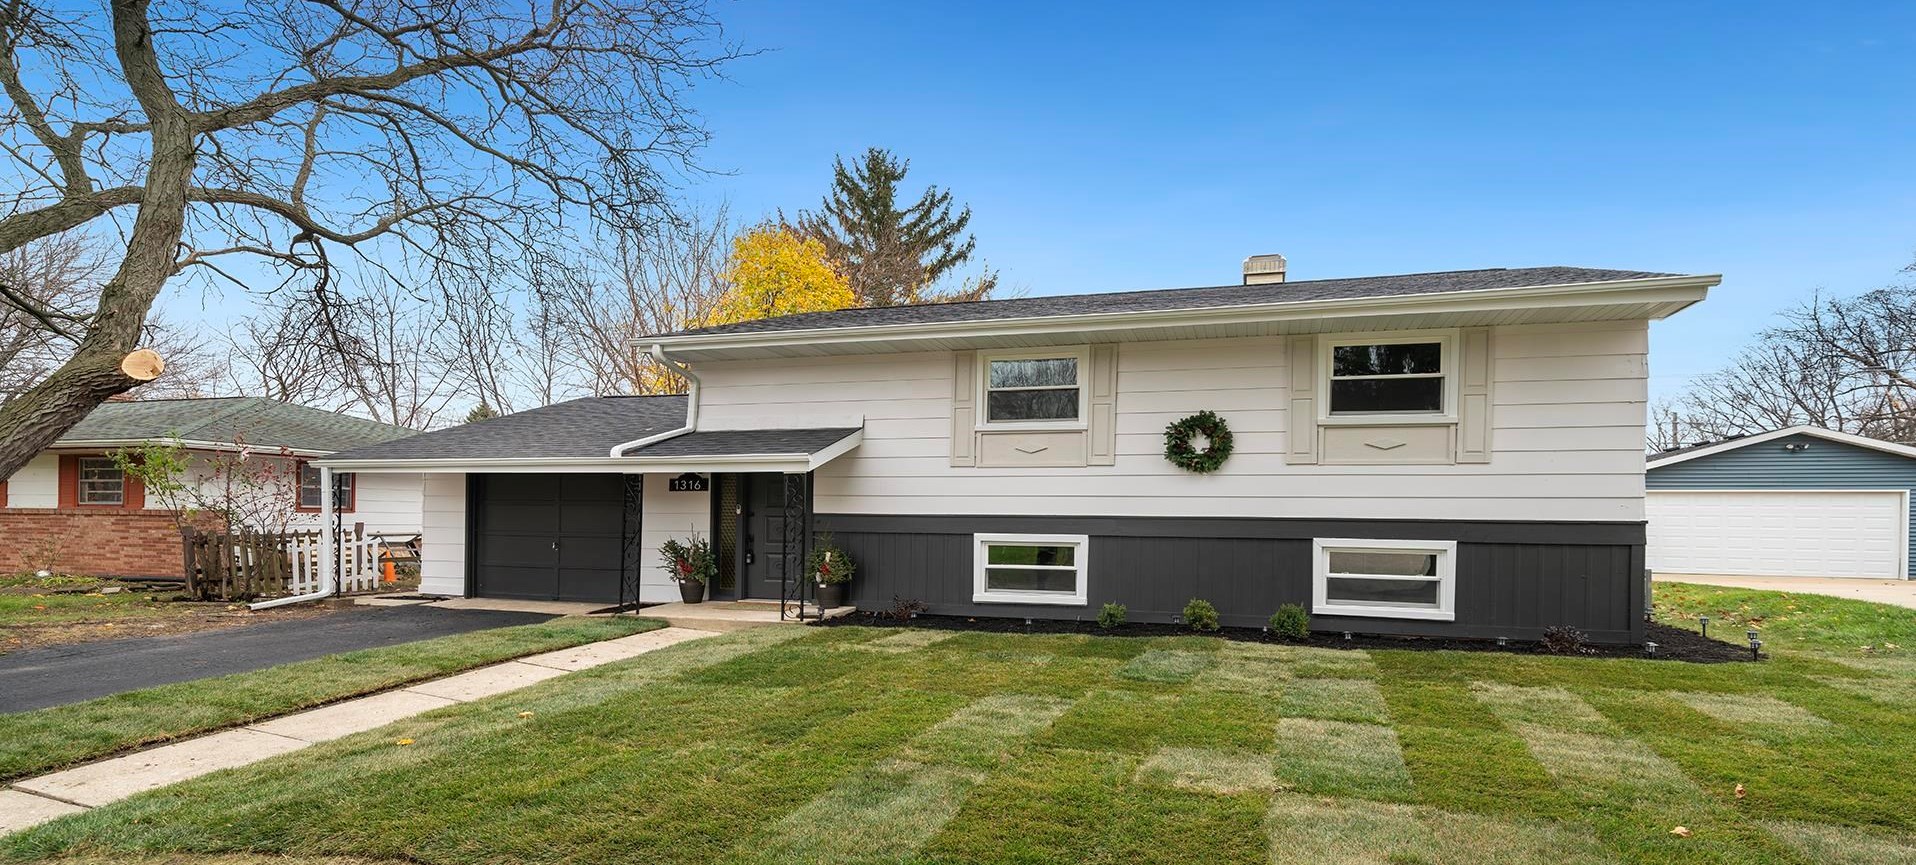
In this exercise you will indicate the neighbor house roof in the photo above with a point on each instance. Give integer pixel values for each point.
(1704, 449)
(583, 432)
(1463, 298)
(226, 421)
(1158, 300)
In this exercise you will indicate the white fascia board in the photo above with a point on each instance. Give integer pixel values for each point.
(95, 444)
(789, 463)
(1676, 292)
(1773, 435)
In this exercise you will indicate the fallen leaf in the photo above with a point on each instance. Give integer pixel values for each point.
(1739, 791)
(525, 714)
(1681, 832)
(403, 742)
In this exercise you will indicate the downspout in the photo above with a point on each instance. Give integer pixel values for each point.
(328, 578)
(691, 405)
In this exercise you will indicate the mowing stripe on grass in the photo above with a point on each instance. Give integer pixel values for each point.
(1209, 770)
(1355, 700)
(1550, 707)
(1310, 830)
(904, 641)
(1845, 845)
(1335, 758)
(887, 812)
(1166, 666)
(1750, 709)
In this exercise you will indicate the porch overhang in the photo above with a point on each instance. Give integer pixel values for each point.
(789, 451)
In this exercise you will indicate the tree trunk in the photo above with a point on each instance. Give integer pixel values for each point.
(38, 417)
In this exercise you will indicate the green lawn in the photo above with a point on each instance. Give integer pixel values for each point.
(34, 742)
(856, 745)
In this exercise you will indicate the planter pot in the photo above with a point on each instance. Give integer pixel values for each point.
(831, 595)
(692, 591)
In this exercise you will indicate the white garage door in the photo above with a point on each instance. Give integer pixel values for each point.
(1797, 534)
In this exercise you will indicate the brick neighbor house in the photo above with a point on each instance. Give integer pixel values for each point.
(72, 510)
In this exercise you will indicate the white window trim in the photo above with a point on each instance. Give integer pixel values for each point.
(1321, 549)
(1447, 341)
(982, 595)
(1083, 355)
(80, 483)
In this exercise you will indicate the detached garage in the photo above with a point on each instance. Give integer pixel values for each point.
(1796, 502)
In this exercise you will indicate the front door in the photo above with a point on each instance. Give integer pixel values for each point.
(764, 542)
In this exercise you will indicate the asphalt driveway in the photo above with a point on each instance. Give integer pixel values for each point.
(55, 675)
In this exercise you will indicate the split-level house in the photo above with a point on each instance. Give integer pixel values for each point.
(72, 509)
(1454, 454)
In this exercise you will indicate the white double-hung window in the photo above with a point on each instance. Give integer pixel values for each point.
(1043, 388)
(1030, 569)
(1387, 377)
(1390, 579)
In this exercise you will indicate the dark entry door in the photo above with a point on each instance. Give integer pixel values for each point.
(764, 534)
(549, 537)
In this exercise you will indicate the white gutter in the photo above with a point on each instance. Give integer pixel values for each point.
(328, 580)
(691, 405)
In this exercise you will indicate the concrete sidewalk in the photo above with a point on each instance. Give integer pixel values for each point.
(1901, 593)
(33, 801)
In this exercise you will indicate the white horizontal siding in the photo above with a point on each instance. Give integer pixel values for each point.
(442, 560)
(36, 484)
(1566, 438)
(666, 515)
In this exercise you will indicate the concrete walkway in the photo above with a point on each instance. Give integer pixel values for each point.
(33, 801)
(1901, 593)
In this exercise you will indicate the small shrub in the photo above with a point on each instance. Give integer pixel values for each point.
(903, 609)
(1565, 640)
(1111, 615)
(1291, 622)
(1200, 615)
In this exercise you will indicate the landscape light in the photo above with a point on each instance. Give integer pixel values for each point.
(1650, 648)
(1756, 650)
(1705, 620)
(1751, 633)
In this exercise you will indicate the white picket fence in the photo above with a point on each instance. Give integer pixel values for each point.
(360, 566)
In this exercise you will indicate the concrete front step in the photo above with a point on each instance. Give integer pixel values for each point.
(727, 615)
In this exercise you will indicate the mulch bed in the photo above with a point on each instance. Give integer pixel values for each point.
(1673, 644)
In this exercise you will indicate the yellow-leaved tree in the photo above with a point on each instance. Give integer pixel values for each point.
(773, 271)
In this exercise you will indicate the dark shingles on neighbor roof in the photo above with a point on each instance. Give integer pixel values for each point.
(590, 428)
(586, 427)
(257, 421)
(1162, 300)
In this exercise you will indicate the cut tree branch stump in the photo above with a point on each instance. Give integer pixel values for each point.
(142, 364)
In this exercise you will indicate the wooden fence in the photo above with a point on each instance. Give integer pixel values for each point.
(246, 564)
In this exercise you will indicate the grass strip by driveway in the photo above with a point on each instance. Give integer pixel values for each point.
(46, 739)
(1788, 620)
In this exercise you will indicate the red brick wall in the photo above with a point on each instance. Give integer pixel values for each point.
(91, 541)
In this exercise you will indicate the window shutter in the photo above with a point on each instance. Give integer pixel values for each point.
(964, 408)
(1473, 396)
(1300, 417)
(1102, 450)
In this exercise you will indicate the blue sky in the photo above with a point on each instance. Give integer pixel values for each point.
(1109, 146)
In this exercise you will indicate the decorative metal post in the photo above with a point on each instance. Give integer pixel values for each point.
(631, 540)
(795, 589)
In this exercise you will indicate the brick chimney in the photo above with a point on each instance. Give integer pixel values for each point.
(1263, 269)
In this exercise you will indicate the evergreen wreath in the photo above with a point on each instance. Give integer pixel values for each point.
(1180, 453)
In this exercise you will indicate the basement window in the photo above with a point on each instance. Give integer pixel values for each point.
(1386, 579)
(1030, 569)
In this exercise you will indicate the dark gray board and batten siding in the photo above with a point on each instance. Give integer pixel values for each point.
(1822, 465)
(1514, 579)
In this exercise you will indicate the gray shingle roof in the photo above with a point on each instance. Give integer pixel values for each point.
(752, 441)
(258, 421)
(1184, 298)
(587, 427)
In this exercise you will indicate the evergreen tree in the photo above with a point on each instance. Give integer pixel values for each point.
(481, 412)
(894, 256)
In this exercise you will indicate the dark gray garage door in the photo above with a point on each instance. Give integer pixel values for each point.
(548, 537)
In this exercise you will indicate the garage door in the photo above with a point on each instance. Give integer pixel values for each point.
(548, 537)
(1797, 534)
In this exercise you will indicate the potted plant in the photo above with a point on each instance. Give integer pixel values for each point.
(830, 569)
(691, 565)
